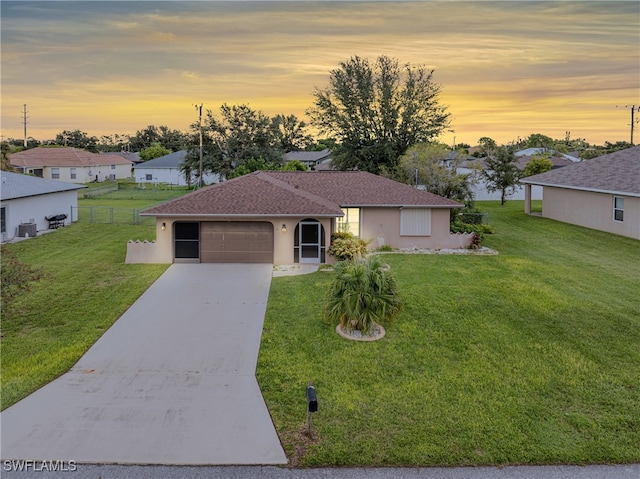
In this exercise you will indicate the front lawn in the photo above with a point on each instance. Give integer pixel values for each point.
(86, 287)
(530, 356)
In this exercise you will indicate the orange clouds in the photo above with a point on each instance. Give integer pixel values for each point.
(507, 69)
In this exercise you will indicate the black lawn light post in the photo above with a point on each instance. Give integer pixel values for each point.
(312, 404)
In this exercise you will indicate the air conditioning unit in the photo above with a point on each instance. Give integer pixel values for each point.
(27, 230)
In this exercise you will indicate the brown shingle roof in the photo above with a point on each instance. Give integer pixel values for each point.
(63, 156)
(298, 193)
(617, 173)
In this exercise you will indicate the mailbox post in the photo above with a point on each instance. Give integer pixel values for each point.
(312, 404)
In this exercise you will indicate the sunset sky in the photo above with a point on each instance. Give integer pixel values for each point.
(507, 68)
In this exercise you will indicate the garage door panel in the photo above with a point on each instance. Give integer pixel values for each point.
(236, 242)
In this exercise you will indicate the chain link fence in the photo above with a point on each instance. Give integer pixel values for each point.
(110, 215)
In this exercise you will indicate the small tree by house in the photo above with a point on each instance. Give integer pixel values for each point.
(502, 173)
(363, 295)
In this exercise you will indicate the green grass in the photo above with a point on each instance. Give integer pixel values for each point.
(86, 287)
(527, 357)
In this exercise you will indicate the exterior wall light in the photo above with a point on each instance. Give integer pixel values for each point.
(164, 226)
(284, 228)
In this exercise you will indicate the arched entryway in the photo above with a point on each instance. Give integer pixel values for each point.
(309, 242)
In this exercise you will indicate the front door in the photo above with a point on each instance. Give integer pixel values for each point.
(309, 239)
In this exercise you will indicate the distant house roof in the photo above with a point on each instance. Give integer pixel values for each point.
(63, 157)
(615, 173)
(556, 161)
(132, 156)
(521, 162)
(320, 193)
(309, 158)
(536, 151)
(172, 160)
(17, 185)
(308, 155)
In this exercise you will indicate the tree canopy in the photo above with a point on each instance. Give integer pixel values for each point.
(376, 111)
(173, 140)
(426, 164)
(238, 134)
(155, 150)
(77, 139)
(537, 164)
(502, 173)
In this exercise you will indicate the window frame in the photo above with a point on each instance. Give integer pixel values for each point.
(344, 223)
(618, 209)
(55, 173)
(415, 221)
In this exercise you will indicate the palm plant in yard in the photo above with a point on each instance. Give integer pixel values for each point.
(362, 295)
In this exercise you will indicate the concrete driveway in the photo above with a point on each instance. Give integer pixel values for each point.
(171, 382)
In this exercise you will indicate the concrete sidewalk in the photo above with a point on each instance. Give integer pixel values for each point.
(171, 382)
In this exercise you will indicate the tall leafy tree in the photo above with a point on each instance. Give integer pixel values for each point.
(173, 140)
(434, 167)
(291, 133)
(156, 150)
(501, 173)
(233, 137)
(77, 139)
(5, 149)
(376, 110)
(115, 142)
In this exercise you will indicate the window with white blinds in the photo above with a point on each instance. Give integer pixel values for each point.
(415, 222)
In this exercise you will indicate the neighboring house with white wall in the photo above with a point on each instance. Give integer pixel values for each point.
(479, 185)
(166, 169)
(27, 200)
(70, 164)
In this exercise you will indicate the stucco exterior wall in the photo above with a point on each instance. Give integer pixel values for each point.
(382, 226)
(592, 210)
(86, 174)
(161, 251)
(23, 210)
(171, 176)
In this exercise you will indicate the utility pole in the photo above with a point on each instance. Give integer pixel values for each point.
(633, 108)
(24, 123)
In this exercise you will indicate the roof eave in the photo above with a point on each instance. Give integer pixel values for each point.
(582, 188)
(403, 205)
(254, 215)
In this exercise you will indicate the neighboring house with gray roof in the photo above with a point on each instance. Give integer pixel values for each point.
(70, 164)
(27, 200)
(166, 169)
(540, 151)
(479, 185)
(312, 159)
(288, 217)
(602, 193)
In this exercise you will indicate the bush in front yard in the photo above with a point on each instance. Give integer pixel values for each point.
(363, 294)
(346, 247)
